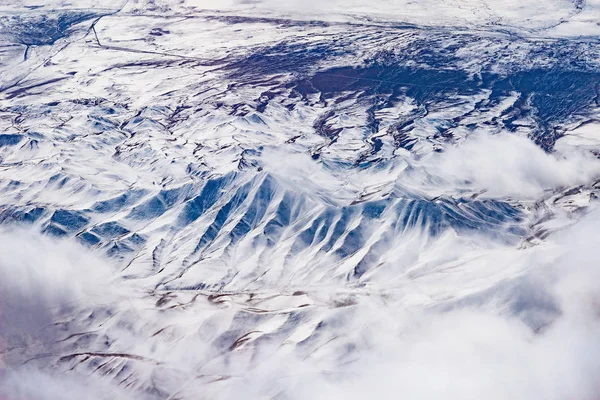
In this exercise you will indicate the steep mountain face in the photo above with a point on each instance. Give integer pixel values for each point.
(281, 185)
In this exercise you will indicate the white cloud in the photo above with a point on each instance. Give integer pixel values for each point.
(384, 346)
(509, 165)
(42, 280)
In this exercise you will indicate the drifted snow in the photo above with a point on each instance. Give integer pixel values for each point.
(256, 200)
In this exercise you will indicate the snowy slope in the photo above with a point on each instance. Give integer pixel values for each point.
(271, 184)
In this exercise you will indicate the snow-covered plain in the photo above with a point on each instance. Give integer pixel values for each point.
(223, 199)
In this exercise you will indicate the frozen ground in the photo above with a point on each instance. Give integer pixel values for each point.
(336, 199)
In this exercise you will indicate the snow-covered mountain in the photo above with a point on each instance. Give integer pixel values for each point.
(337, 199)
